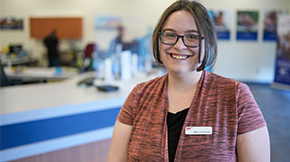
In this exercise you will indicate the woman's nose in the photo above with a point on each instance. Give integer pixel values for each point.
(180, 44)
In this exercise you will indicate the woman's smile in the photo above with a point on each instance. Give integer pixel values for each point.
(179, 56)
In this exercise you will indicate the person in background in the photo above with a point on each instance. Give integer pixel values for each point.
(52, 45)
(116, 41)
(189, 114)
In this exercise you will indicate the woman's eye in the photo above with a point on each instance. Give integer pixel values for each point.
(191, 36)
(170, 35)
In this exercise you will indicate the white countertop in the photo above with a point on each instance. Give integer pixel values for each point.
(15, 99)
(39, 73)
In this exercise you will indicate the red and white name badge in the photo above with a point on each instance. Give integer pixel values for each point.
(198, 130)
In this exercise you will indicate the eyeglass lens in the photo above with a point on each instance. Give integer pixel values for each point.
(191, 40)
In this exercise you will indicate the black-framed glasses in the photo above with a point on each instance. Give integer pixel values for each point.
(189, 40)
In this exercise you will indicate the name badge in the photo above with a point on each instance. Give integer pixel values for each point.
(198, 130)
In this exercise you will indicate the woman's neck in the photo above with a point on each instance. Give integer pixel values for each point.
(184, 82)
(181, 90)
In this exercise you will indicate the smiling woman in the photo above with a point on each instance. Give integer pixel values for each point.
(177, 56)
(200, 14)
(189, 114)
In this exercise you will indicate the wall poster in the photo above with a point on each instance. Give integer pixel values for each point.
(222, 20)
(11, 22)
(247, 25)
(282, 69)
(270, 24)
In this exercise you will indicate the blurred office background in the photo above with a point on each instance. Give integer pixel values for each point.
(249, 61)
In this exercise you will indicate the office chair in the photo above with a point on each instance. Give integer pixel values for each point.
(90, 48)
(87, 58)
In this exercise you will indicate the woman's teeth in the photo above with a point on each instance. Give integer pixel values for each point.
(179, 57)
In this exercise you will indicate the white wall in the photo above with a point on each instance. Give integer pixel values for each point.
(246, 61)
(252, 61)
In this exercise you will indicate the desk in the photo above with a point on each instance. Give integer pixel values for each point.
(27, 60)
(58, 115)
(39, 74)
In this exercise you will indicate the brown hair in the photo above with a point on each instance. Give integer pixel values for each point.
(204, 25)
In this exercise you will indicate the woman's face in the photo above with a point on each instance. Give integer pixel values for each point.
(179, 58)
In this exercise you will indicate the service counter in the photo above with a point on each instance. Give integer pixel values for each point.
(41, 118)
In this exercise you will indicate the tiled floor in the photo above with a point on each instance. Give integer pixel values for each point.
(275, 106)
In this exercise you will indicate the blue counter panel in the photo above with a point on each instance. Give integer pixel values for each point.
(35, 131)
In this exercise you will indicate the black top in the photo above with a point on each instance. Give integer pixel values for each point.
(174, 123)
(51, 42)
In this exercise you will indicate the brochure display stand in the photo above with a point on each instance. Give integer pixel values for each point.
(282, 69)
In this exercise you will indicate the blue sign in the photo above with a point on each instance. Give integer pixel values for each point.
(282, 71)
(270, 36)
(247, 36)
(223, 35)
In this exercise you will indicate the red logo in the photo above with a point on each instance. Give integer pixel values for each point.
(188, 128)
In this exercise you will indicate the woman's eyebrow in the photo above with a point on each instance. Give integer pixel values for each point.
(172, 30)
(191, 31)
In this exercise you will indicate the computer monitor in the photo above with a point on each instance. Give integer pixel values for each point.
(15, 48)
